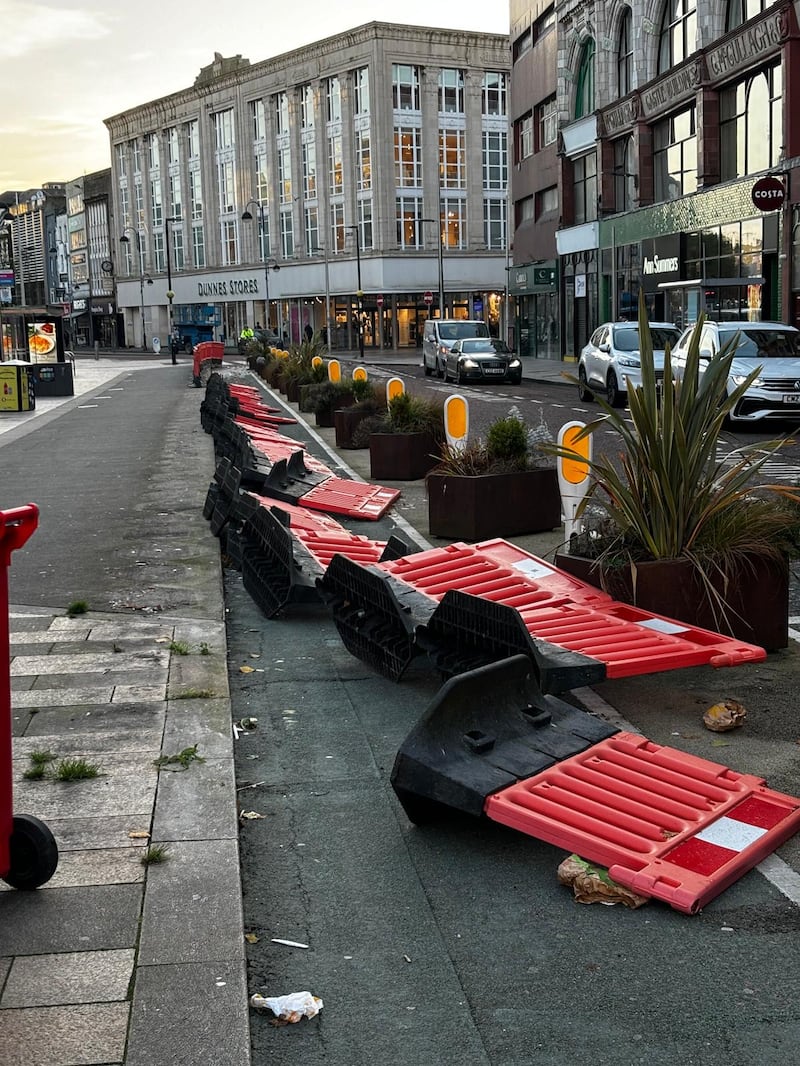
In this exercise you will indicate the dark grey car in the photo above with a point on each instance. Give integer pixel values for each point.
(482, 359)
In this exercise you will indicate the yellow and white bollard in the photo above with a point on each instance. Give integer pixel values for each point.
(394, 387)
(573, 474)
(334, 370)
(456, 422)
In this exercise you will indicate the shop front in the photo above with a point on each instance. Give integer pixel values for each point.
(534, 288)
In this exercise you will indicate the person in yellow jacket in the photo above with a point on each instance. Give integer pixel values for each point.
(245, 337)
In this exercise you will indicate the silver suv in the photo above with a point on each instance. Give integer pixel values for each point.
(610, 361)
(772, 346)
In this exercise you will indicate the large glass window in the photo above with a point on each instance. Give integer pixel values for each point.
(584, 84)
(625, 54)
(173, 145)
(363, 163)
(287, 234)
(451, 91)
(452, 159)
(224, 130)
(198, 246)
(675, 156)
(361, 86)
(495, 159)
(156, 207)
(546, 122)
(454, 222)
(229, 241)
(282, 113)
(336, 212)
(547, 202)
(740, 11)
(522, 44)
(751, 124)
(285, 174)
(334, 100)
(584, 185)
(494, 223)
(494, 93)
(258, 119)
(678, 35)
(365, 223)
(405, 87)
(309, 170)
(307, 107)
(408, 157)
(335, 164)
(196, 195)
(545, 23)
(193, 139)
(312, 229)
(409, 226)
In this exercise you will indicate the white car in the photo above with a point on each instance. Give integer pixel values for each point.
(610, 361)
(772, 346)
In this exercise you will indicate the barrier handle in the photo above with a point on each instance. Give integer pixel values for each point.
(16, 526)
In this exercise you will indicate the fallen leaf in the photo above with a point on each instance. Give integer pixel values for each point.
(246, 669)
(251, 815)
(251, 938)
(139, 834)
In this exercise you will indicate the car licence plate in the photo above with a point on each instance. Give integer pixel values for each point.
(499, 370)
(792, 397)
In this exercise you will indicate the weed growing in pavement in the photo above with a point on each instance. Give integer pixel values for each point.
(179, 647)
(76, 770)
(184, 758)
(204, 649)
(196, 694)
(155, 854)
(77, 607)
(40, 761)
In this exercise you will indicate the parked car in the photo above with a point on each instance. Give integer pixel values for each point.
(478, 359)
(440, 334)
(611, 359)
(773, 346)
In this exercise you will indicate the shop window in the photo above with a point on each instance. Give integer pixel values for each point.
(625, 54)
(678, 35)
(740, 11)
(584, 89)
(624, 176)
(675, 156)
(751, 124)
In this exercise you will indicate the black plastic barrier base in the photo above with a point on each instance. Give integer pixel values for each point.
(485, 730)
(376, 617)
(271, 574)
(466, 632)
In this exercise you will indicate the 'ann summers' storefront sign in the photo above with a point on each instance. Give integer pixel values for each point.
(661, 261)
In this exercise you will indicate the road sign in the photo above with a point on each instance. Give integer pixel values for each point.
(379, 301)
(428, 297)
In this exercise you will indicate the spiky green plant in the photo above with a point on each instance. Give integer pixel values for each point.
(667, 495)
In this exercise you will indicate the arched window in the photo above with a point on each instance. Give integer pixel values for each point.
(584, 86)
(678, 37)
(740, 11)
(625, 54)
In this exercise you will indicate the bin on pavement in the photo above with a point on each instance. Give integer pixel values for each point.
(16, 386)
(28, 851)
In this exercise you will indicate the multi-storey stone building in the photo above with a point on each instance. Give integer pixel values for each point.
(368, 167)
(669, 113)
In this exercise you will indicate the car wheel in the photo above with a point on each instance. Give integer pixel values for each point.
(460, 378)
(585, 394)
(516, 380)
(614, 397)
(439, 369)
(428, 370)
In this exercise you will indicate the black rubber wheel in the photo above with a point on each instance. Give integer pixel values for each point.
(428, 370)
(614, 397)
(439, 369)
(460, 379)
(585, 394)
(33, 853)
(187, 346)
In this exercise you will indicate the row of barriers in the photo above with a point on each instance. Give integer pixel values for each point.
(511, 633)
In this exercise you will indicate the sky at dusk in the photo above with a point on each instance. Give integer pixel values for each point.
(66, 65)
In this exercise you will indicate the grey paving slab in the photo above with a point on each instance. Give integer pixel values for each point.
(103, 917)
(80, 799)
(71, 977)
(207, 1025)
(108, 866)
(196, 803)
(95, 729)
(103, 692)
(112, 763)
(138, 693)
(102, 831)
(78, 1035)
(91, 662)
(204, 673)
(191, 913)
(203, 722)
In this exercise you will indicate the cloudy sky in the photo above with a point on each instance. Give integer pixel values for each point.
(65, 65)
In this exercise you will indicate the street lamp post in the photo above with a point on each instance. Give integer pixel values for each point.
(170, 294)
(359, 293)
(125, 239)
(269, 263)
(438, 222)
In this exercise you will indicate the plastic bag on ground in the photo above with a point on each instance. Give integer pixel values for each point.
(290, 1008)
(725, 715)
(591, 884)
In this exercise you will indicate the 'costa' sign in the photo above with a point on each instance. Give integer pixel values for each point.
(768, 194)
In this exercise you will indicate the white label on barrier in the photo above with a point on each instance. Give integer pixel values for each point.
(661, 625)
(533, 568)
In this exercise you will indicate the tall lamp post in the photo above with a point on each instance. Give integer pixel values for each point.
(125, 239)
(173, 347)
(359, 293)
(269, 263)
(437, 221)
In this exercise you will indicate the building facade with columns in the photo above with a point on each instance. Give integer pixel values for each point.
(341, 183)
(670, 113)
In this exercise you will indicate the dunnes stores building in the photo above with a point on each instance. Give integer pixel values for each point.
(369, 167)
(674, 147)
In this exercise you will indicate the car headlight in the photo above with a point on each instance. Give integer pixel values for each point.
(467, 363)
(629, 360)
(513, 364)
(739, 379)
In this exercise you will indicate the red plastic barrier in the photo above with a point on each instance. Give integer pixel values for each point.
(666, 824)
(213, 350)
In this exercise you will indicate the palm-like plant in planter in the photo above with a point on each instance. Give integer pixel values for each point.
(680, 531)
(505, 486)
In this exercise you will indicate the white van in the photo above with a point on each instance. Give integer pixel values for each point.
(439, 336)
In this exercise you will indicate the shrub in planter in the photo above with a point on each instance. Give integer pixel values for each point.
(370, 402)
(407, 441)
(668, 498)
(505, 486)
(326, 397)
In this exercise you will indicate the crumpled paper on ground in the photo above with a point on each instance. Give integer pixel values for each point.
(725, 715)
(290, 1008)
(591, 884)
